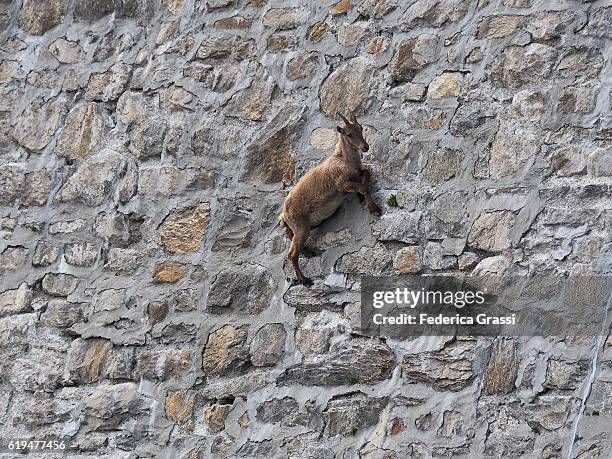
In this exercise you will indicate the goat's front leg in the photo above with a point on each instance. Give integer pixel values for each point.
(366, 176)
(362, 188)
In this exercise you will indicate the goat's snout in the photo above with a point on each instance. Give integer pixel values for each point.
(365, 147)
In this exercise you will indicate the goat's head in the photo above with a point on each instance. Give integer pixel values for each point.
(352, 132)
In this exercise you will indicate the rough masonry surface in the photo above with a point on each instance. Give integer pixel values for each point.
(146, 307)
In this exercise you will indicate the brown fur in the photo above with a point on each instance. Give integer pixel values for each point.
(320, 192)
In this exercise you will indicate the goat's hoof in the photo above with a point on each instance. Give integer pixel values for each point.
(309, 253)
(305, 281)
(375, 210)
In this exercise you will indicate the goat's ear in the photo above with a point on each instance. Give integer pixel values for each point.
(340, 130)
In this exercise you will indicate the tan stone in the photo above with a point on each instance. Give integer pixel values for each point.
(500, 25)
(234, 22)
(108, 86)
(492, 231)
(36, 126)
(226, 351)
(215, 417)
(87, 359)
(446, 85)
(167, 31)
(349, 35)
(82, 131)
(38, 16)
(169, 272)
(509, 152)
(377, 45)
(407, 260)
(302, 66)
(9, 70)
(323, 138)
(474, 57)
(281, 43)
(179, 406)
(317, 31)
(285, 18)
(244, 420)
(174, 6)
(251, 103)
(65, 51)
(270, 156)
(157, 312)
(183, 231)
(346, 88)
(340, 8)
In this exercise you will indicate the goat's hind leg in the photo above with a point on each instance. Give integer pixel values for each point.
(297, 246)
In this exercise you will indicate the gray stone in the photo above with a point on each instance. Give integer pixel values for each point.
(435, 257)
(36, 126)
(270, 157)
(45, 253)
(564, 375)
(63, 314)
(600, 162)
(12, 258)
(448, 369)
(80, 254)
(58, 284)
(346, 89)
(599, 22)
(225, 48)
(65, 51)
(434, 13)
(442, 165)
(92, 182)
(519, 65)
(413, 55)
(110, 406)
(108, 86)
(397, 226)
(491, 266)
(285, 18)
(244, 289)
(349, 362)
(17, 301)
(282, 410)
(346, 414)
(492, 231)
(376, 9)
(367, 260)
(36, 188)
(268, 345)
(12, 178)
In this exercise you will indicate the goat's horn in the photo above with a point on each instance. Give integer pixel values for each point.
(353, 118)
(345, 120)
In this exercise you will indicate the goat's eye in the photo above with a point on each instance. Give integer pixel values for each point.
(349, 135)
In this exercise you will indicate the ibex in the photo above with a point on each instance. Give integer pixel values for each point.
(320, 192)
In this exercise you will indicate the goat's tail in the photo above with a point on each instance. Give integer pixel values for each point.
(283, 224)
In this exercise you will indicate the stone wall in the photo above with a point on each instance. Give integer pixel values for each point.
(146, 308)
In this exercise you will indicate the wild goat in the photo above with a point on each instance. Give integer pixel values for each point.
(320, 192)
